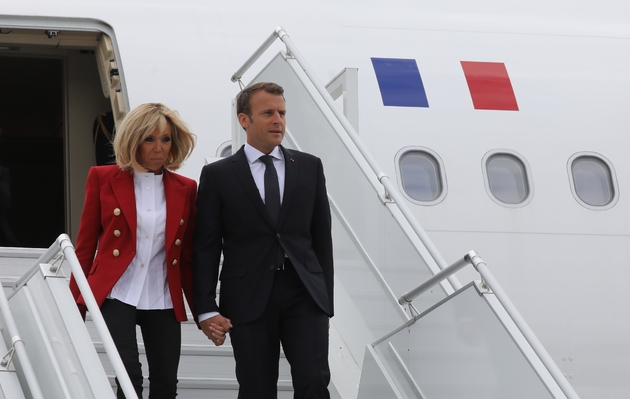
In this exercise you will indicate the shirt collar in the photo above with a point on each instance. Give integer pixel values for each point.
(137, 175)
(253, 154)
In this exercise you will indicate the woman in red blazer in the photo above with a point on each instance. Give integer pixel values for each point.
(135, 243)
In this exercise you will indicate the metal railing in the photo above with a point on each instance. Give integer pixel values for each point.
(471, 258)
(18, 347)
(409, 296)
(64, 245)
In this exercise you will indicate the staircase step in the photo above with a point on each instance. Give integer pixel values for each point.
(205, 370)
(215, 388)
(202, 367)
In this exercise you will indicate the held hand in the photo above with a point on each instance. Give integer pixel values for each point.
(215, 328)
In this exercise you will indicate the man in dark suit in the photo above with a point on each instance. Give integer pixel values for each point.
(271, 219)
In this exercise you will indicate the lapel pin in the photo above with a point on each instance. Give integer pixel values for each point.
(292, 160)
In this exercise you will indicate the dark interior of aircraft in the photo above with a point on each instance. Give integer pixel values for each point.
(31, 146)
(51, 97)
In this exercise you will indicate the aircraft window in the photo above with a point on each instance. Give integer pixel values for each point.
(507, 178)
(421, 175)
(592, 181)
(225, 149)
(226, 152)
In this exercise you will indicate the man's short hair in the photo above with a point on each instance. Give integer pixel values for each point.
(242, 100)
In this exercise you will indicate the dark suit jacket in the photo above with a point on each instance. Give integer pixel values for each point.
(109, 222)
(231, 217)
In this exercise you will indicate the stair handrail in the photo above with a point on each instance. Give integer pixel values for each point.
(358, 244)
(409, 296)
(19, 348)
(64, 244)
(472, 258)
(390, 190)
(522, 325)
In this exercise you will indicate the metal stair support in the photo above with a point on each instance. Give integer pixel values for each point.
(473, 343)
(10, 387)
(54, 332)
(205, 370)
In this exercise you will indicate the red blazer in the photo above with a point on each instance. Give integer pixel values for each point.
(108, 223)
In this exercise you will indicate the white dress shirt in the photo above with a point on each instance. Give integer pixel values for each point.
(257, 168)
(144, 283)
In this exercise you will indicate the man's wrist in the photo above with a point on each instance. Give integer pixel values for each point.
(206, 316)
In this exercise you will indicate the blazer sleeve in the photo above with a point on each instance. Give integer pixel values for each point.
(207, 244)
(187, 250)
(89, 227)
(321, 233)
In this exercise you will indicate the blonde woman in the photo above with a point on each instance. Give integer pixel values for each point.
(135, 243)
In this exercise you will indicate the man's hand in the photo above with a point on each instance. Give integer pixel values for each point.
(215, 328)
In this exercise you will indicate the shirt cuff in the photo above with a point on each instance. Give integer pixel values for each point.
(206, 316)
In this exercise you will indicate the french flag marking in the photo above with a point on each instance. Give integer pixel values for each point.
(400, 82)
(489, 85)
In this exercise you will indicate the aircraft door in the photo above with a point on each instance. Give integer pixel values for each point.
(54, 84)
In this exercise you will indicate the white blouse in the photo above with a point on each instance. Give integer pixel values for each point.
(144, 283)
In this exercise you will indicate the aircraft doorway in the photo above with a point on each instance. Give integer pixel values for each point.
(31, 147)
(50, 100)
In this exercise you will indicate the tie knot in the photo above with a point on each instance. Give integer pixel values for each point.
(267, 160)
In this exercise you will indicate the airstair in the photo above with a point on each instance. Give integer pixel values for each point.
(404, 326)
(75, 359)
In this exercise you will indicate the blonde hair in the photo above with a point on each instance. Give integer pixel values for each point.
(140, 123)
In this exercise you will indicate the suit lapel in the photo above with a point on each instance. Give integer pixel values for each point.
(122, 186)
(175, 195)
(290, 179)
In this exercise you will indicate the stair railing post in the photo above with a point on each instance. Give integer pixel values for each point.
(97, 318)
(19, 348)
(522, 325)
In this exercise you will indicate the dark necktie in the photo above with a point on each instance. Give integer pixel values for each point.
(272, 188)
